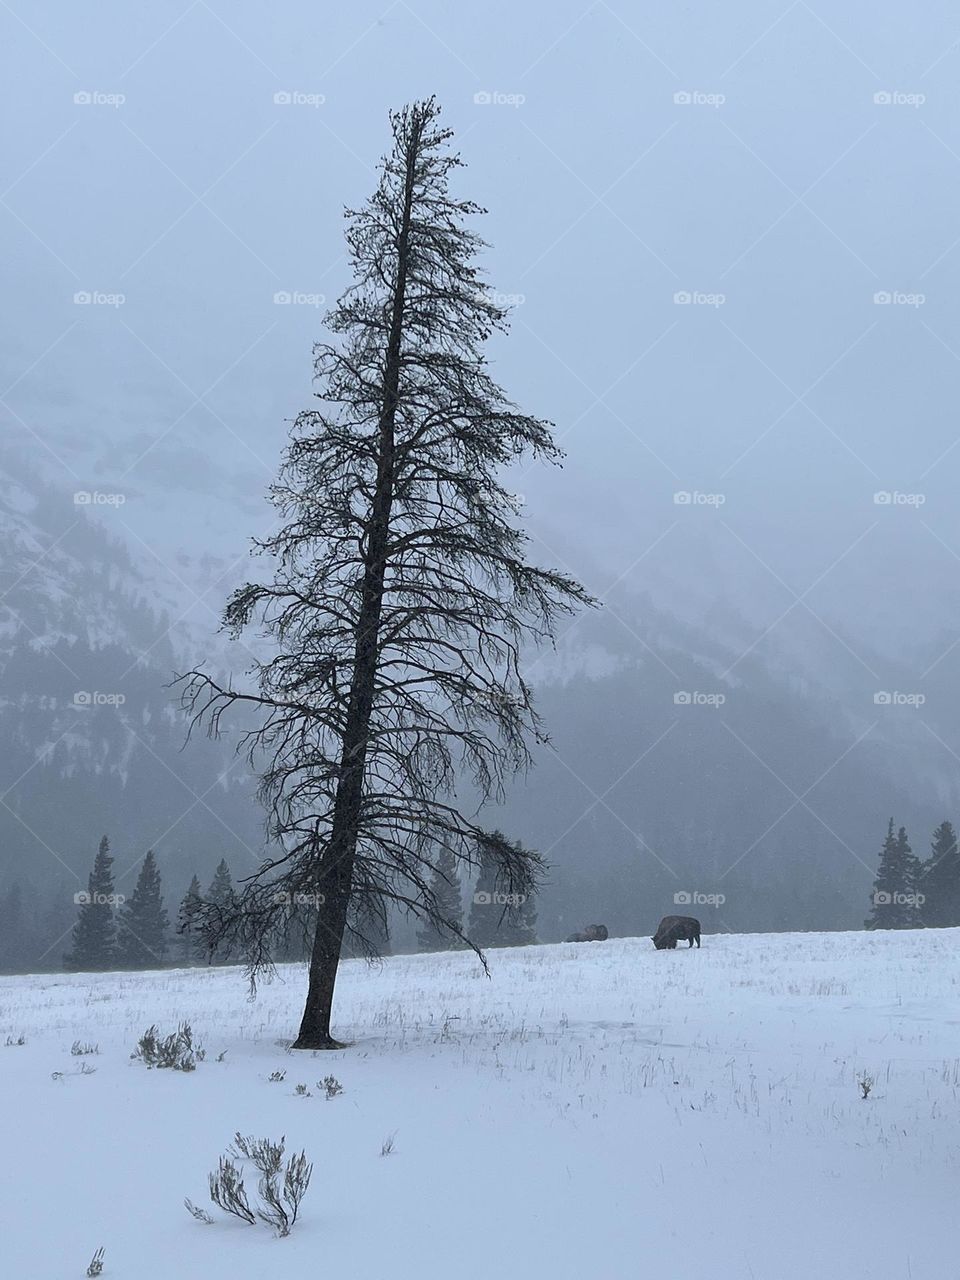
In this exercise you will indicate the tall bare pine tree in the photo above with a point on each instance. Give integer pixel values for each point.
(401, 599)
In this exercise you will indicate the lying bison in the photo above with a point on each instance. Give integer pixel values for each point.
(592, 933)
(674, 929)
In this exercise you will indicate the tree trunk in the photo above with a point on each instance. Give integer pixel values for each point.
(336, 869)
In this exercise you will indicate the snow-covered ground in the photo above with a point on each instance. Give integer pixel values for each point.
(601, 1110)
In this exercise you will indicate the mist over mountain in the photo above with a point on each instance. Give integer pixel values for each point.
(676, 771)
(687, 757)
(93, 739)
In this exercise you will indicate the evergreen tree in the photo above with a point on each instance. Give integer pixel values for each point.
(445, 887)
(220, 904)
(188, 921)
(484, 912)
(519, 927)
(221, 891)
(500, 917)
(142, 939)
(940, 880)
(895, 890)
(95, 933)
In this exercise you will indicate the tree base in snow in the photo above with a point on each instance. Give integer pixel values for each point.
(311, 1041)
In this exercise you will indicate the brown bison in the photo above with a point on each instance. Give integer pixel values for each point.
(592, 933)
(674, 929)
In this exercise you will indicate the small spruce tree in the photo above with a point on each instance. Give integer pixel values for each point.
(498, 917)
(142, 937)
(484, 912)
(895, 890)
(940, 880)
(445, 888)
(95, 933)
(519, 926)
(188, 922)
(221, 891)
(220, 904)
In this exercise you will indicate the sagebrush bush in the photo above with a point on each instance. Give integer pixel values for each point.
(331, 1086)
(176, 1051)
(281, 1190)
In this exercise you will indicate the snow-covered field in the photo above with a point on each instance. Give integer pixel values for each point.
(601, 1110)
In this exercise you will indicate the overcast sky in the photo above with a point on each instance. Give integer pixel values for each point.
(780, 165)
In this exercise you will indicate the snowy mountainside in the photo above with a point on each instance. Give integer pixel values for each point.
(93, 735)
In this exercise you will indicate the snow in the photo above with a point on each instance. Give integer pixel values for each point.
(599, 1109)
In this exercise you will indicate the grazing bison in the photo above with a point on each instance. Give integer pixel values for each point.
(592, 933)
(674, 929)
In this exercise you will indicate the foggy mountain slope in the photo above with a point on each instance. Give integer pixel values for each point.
(693, 813)
(674, 770)
(93, 740)
(62, 577)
